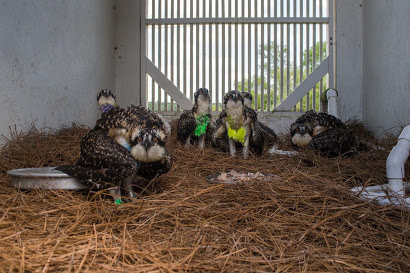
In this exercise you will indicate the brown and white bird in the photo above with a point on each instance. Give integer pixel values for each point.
(263, 137)
(247, 99)
(106, 100)
(195, 123)
(326, 134)
(234, 124)
(106, 163)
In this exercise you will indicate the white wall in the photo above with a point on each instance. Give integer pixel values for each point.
(386, 68)
(55, 56)
(127, 53)
(349, 61)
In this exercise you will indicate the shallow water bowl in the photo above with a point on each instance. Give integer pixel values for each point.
(43, 178)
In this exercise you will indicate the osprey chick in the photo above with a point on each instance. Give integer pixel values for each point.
(106, 100)
(104, 162)
(263, 137)
(196, 122)
(234, 124)
(326, 134)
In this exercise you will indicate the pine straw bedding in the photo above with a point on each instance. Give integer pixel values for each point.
(307, 220)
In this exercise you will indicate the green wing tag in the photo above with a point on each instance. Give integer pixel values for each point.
(201, 125)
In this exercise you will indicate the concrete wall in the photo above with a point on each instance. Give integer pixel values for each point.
(55, 56)
(386, 65)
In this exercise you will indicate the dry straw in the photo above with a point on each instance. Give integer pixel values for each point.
(307, 220)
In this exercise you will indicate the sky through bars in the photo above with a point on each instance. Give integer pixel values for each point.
(201, 39)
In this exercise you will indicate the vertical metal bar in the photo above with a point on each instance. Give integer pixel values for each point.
(223, 51)
(275, 57)
(191, 50)
(314, 102)
(249, 50)
(210, 54)
(197, 48)
(178, 52)
(229, 47)
(159, 56)
(294, 50)
(153, 57)
(320, 51)
(308, 107)
(262, 58)
(268, 78)
(203, 46)
(143, 87)
(236, 46)
(255, 99)
(184, 54)
(331, 78)
(243, 48)
(301, 108)
(166, 54)
(143, 29)
(288, 51)
(282, 76)
(217, 59)
(172, 50)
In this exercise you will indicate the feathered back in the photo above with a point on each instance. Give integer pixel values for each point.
(115, 118)
(142, 118)
(133, 119)
(311, 119)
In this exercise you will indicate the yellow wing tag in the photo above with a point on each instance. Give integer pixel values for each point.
(238, 135)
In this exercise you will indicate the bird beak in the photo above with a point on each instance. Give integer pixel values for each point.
(146, 143)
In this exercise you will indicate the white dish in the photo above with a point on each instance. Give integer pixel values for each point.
(43, 178)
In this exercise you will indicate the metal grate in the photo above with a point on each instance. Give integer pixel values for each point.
(265, 47)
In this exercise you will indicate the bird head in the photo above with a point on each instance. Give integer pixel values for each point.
(202, 101)
(247, 99)
(147, 144)
(301, 135)
(233, 99)
(106, 96)
(202, 94)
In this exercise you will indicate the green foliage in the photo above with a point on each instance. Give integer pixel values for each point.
(282, 78)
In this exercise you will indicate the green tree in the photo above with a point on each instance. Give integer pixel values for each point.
(282, 78)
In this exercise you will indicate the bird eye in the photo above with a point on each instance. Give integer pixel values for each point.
(139, 139)
(297, 129)
(155, 139)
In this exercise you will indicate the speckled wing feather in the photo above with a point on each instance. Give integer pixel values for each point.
(102, 161)
(262, 138)
(114, 118)
(250, 113)
(219, 137)
(145, 118)
(186, 125)
(151, 169)
(313, 119)
(337, 141)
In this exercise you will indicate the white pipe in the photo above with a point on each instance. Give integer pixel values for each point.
(395, 162)
(331, 95)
